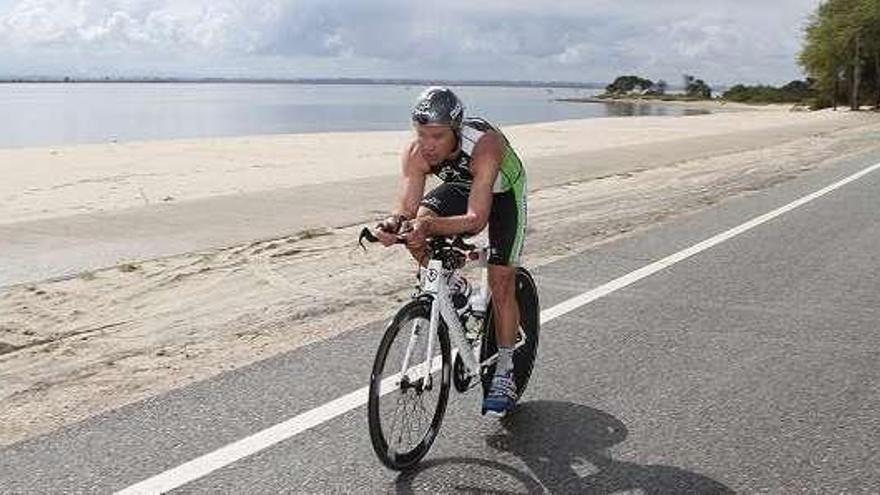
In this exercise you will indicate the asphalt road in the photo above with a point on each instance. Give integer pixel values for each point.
(748, 367)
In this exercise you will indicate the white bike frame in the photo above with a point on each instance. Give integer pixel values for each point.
(435, 283)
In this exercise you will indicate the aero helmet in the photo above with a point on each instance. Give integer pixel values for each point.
(438, 105)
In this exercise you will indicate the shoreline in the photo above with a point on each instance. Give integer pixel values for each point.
(110, 140)
(716, 104)
(318, 81)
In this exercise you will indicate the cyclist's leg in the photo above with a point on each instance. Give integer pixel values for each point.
(502, 282)
(502, 395)
(506, 231)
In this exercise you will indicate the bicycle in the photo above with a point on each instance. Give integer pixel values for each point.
(431, 323)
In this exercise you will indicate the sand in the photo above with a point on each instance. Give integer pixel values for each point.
(73, 348)
(58, 181)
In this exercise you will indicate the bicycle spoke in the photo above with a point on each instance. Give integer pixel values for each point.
(408, 429)
(395, 425)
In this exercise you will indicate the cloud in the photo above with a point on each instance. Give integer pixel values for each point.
(563, 39)
(125, 25)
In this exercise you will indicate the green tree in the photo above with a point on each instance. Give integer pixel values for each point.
(842, 50)
(871, 15)
(658, 88)
(627, 84)
(696, 88)
(662, 86)
(793, 92)
(820, 55)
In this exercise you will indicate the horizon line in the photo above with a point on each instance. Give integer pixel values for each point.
(303, 80)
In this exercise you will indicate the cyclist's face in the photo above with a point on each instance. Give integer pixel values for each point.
(436, 142)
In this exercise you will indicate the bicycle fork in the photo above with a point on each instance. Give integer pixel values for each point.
(431, 285)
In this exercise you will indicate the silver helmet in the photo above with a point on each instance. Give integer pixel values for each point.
(438, 105)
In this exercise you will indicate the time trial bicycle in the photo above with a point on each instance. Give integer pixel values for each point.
(441, 337)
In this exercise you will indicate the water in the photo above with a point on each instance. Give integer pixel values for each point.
(55, 114)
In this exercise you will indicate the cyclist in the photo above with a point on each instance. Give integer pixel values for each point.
(484, 181)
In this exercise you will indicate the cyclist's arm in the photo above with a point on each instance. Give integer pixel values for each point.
(412, 186)
(485, 163)
(412, 182)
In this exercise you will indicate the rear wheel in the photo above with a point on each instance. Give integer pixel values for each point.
(530, 321)
(406, 408)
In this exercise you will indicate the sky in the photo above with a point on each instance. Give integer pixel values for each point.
(722, 42)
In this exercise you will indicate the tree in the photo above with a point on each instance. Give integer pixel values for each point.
(627, 84)
(793, 92)
(696, 88)
(842, 43)
(661, 87)
(870, 11)
(819, 56)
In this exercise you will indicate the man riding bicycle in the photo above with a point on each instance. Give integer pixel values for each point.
(484, 181)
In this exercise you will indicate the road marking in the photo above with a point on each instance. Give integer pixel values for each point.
(252, 444)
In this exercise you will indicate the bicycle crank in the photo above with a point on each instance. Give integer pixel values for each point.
(460, 377)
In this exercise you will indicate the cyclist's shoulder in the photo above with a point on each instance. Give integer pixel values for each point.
(478, 124)
(476, 130)
(479, 136)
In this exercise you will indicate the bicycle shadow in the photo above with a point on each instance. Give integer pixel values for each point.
(566, 448)
(466, 475)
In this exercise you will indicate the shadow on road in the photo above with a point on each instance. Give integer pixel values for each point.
(565, 447)
(466, 475)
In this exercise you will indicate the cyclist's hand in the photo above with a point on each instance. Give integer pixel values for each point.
(387, 230)
(416, 232)
(386, 238)
(391, 225)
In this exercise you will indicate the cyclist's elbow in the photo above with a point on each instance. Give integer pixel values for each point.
(476, 222)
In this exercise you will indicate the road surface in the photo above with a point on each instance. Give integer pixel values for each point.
(746, 365)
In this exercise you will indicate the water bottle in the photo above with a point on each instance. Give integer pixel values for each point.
(473, 325)
(461, 291)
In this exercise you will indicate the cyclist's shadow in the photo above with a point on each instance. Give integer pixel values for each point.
(566, 447)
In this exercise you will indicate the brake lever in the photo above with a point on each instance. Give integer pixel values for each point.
(366, 234)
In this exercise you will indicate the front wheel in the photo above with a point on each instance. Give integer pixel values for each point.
(406, 406)
(530, 321)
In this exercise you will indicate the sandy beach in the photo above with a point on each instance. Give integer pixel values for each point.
(61, 181)
(218, 290)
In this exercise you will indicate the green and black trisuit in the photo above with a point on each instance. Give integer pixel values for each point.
(507, 219)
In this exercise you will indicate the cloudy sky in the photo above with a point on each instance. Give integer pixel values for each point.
(723, 42)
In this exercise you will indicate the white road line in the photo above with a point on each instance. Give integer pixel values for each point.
(224, 456)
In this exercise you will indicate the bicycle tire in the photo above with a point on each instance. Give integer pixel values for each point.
(530, 320)
(379, 435)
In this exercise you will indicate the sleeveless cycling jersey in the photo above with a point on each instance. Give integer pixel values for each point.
(507, 218)
(457, 170)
